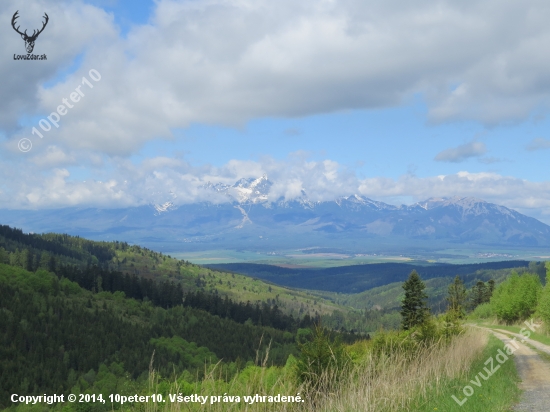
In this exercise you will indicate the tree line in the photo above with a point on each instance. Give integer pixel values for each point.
(414, 307)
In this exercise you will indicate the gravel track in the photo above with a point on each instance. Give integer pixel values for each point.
(533, 370)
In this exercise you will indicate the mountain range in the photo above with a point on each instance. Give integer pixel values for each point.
(248, 219)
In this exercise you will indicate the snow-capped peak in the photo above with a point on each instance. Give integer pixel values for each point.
(165, 207)
(162, 205)
(245, 190)
(467, 205)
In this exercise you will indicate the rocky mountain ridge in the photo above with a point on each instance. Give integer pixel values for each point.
(250, 219)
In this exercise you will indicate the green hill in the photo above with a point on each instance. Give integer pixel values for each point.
(53, 333)
(389, 296)
(55, 251)
(78, 314)
(358, 278)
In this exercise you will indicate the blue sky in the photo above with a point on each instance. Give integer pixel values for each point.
(126, 13)
(392, 101)
(390, 141)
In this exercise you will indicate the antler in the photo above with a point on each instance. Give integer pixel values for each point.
(15, 16)
(43, 25)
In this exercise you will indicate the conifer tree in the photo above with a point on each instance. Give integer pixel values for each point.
(414, 310)
(457, 297)
(491, 284)
(480, 293)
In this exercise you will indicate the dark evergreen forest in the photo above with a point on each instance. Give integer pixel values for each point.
(68, 322)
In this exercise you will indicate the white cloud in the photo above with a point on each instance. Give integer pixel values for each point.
(53, 157)
(72, 28)
(530, 198)
(462, 152)
(228, 61)
(121, 183)
(157, 180)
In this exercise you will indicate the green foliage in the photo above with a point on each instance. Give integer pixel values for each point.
(145, 274)
(457, 298)
(186, 354)
(363, 321)
(483, 311)
(481, 293)
(388, 297)
(33, 251)
(431, 331)
(54, 336)
(544, 302)
(516, 299)
(428, 331)
(414, 309)
(389, 342)
(453, 325)
(321, 356)
(303, 335)
(406, 341)
(538, 268)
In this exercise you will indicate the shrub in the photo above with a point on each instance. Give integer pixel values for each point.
(517, 298)
(429, 331)
(391, 342)
(320, 357)
(452, 323)
(483, 311)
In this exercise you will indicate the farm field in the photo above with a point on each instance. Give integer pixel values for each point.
(297, 258)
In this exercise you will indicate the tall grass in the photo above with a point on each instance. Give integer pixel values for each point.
(377, 382)
(496, 394)
(393, 382)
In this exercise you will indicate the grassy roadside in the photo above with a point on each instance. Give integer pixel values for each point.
(391, 383)
(497, 393)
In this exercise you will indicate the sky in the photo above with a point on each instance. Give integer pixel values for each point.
(141, 102)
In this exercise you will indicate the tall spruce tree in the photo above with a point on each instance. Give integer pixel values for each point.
(414, 309)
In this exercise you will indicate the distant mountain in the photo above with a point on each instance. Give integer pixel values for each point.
(249, 219)
(463, 220)
(244, 190)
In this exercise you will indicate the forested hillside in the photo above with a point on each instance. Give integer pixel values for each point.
(143, 273)
(71, 321)
(358, 278)
(56, 335)
(389, 296)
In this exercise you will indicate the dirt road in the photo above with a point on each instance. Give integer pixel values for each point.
(533, 370)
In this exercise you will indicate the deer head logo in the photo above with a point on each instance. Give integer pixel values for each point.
(29, 40)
